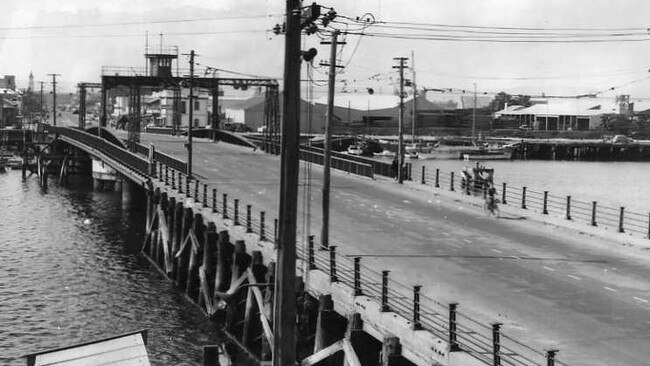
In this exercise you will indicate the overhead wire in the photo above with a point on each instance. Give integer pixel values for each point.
(141, 22)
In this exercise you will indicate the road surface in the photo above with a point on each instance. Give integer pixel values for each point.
(551, 288)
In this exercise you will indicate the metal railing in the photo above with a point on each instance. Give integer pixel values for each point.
(124, 157)
(486, 343)
(591, 213)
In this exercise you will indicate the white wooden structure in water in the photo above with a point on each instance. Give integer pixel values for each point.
(122, 350)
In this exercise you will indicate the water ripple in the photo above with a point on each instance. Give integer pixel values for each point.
(64, 281)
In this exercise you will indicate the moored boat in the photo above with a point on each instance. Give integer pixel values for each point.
(355, 150)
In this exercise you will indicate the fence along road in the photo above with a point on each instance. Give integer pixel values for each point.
(549, 290)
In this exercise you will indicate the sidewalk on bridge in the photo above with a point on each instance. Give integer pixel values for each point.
(603, 237)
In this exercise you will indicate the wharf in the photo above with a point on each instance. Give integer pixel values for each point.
(582, 150)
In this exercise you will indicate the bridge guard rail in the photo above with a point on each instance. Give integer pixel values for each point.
(125, 157)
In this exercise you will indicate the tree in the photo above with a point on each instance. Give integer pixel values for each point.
(500, 100)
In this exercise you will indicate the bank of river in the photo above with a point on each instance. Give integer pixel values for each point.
(71, 272)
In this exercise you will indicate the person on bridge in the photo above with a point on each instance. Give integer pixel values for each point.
(490, 200)
(394, 166)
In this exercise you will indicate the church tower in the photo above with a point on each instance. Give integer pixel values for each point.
(30, 87)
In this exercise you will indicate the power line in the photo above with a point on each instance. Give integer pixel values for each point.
(458, 26)
(451, 38)
(143, 22)
(128, 35)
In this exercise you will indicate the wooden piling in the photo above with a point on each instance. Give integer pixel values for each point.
(196, 259)
(183, 256)
(160, 242)
(225, 252)
(153, 234)
(252, 329)
(241, 262)
(209, 264)
(325, 314)
(269, 295)
(362, 342)
(176, 236)
(391, 351)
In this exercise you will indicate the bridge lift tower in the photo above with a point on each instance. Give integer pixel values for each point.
(159, 74)
(82, 101)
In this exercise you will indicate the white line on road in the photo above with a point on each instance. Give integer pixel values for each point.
(497, 251)
(610, 289)
(639, 299)
(574, 277)
(549, 268)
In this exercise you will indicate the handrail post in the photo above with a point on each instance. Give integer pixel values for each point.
(236, 211)
(214, 200)
(417, 325)
(550, 357)
(568, 207)
(173, 180)
(423, 172)
(180, 182)
(262, 229)
(451, 184)
(503, 194)
(437, 178)
(188, 191)
(196, 191)
(523, 197)
(545, 208)
(620, 220)
(166, 175)
(311, 262)
(593, 213)
(384, 291)
(333, 277)
(357, 276)
(224, 206)
(249, 224)
(205, 195)
(496, 344)
(453, 327)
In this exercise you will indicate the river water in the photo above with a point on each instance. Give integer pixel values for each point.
(70, 272)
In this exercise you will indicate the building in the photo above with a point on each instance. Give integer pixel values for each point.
(562, 114)
(10, 102)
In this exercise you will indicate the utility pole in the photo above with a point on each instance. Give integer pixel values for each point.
(325, 229)
(41, 106)
(474, 113)
(191, 115)
(415, 97)
(284, 346)
(400, 139)
(54, 97)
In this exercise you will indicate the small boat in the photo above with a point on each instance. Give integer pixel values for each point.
(411, 155)
(355, 150)
(482, 153)
(385, 153)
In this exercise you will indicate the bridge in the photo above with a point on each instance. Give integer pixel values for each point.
(414, 272)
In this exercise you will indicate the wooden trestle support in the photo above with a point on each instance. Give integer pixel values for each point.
(236, 288)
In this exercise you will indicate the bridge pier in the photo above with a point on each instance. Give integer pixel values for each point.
(104, 177)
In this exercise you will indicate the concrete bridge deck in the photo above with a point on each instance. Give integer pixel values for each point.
(552, 289)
